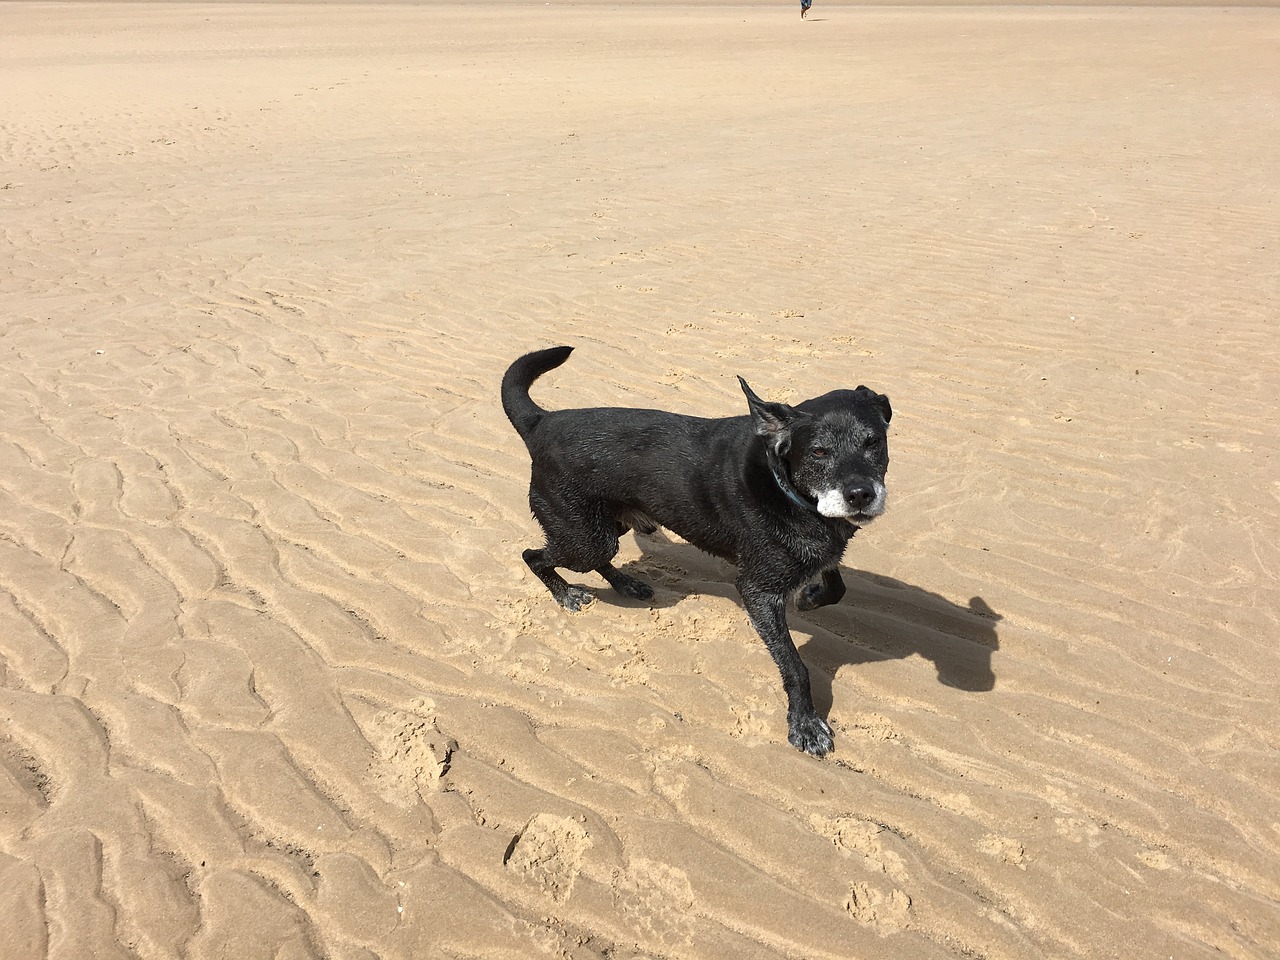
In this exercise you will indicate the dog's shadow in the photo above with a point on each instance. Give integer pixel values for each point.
(878, 619)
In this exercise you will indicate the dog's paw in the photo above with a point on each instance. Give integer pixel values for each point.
(812, 597)
(575, 598)
(811, 734)
(631, 587)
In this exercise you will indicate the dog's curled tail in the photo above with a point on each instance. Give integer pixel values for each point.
(523, 413)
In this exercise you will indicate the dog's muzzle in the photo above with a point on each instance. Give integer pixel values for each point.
(862, 501)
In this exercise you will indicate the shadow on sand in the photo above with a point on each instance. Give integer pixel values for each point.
(880, 618)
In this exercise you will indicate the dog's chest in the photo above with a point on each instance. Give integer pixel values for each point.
(819, 557)
(799, 554)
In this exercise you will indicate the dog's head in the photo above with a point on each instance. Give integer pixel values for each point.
(834, 448)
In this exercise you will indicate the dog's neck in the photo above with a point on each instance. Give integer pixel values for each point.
(779, 471)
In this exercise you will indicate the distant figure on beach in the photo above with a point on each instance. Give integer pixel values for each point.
(804, 8)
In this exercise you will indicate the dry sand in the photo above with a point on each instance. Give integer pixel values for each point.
(275, 682)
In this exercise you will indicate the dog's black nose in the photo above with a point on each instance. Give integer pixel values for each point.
(860, 496)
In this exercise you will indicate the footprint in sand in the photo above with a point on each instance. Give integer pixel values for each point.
(658, 902)
(412, 755)
(548, 852)
(856, 837)
(1004, 849)
(885, 909)
(877, 902)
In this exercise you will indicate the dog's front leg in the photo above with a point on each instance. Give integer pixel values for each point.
(805, 729)
(815, 595)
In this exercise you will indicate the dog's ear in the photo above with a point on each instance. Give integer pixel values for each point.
(881, 400)
(772, 419)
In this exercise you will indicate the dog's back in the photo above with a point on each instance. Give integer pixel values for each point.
(639, 446)
(664, 466)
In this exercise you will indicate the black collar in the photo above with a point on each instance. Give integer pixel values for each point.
(784, 483)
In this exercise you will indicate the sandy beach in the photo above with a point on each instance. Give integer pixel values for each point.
(274, 680)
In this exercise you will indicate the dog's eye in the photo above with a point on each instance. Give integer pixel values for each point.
(820, 452)
(873, 443)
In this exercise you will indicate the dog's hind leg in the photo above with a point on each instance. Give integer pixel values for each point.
(581, 535)
(627, 519)
(625, 584)
(566, 594)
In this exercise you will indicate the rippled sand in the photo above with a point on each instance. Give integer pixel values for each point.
(274, 681)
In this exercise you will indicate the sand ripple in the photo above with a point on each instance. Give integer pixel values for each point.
(274, 681)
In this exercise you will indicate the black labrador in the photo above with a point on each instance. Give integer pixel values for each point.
(778, 493)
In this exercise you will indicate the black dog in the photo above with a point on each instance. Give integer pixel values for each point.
(779, 493)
